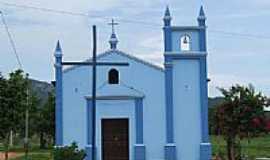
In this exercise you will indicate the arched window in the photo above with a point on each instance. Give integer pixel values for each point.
(113, 76)
(185, 43)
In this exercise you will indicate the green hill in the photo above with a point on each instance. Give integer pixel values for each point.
(41, 89)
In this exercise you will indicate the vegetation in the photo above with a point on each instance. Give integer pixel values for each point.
(240, 116)
(254, 148)
(13, 103)
(17, 96)
(35, 156)
(257, 147)
(44, 122)
(69, 153)
(237, 120)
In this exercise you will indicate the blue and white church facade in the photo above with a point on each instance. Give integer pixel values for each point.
(143, 111)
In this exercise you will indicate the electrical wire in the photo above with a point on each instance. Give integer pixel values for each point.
(149, 24)
(11, 40)
(240, 34)
(73, 13)
(44, 9)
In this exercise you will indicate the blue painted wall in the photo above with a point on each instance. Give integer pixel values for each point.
(187, 117)
(188, 98)
(76, 84)
(138, 76)
(58, 95)
(190, 106)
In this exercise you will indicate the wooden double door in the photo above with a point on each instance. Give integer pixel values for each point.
(115, 139)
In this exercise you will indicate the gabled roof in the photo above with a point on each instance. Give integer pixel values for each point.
(124, 55)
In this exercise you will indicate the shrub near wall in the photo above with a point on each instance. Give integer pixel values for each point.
(69, 153)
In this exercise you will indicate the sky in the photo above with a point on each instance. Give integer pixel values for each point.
(238, 35)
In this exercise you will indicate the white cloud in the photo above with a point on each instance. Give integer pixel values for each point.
(35, 33)
(227, 80)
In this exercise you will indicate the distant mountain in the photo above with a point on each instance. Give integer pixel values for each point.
(41, 89)
(213, 102)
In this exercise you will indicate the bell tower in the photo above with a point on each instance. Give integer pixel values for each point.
(186, 90)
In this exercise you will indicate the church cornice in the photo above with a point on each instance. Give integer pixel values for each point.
(175, 28)
(116, 92)
(115, 51)
(118, 97)
(186, 53)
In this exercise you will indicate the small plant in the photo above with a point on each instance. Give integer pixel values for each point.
(69, 153)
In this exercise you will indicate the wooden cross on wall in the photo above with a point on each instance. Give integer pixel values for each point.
(94, 63)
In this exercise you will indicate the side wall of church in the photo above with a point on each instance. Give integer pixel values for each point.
(76, 84)
(148, 80)
(187, 112)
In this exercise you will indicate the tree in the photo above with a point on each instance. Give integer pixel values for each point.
(49, 116)
(3, 90)
(211, 121)
(240, 116)
(3, 106)
(13, 104)
(45, 121)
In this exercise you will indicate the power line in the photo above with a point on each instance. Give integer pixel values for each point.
(240, 34)
(72, 13)
(149, 24)
(45, 9)
(26, 142)
(11, 39)
(140, 22)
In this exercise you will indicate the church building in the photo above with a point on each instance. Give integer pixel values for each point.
(143, 111)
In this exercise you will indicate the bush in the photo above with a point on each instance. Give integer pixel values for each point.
(69, 153)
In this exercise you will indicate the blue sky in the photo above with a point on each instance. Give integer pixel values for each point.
(232, 58)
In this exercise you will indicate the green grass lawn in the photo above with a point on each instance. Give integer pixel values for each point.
(35, 153)
(258, 147)
(36, 156)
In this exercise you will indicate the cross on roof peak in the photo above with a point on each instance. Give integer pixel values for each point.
(113, 24)
(113, 39)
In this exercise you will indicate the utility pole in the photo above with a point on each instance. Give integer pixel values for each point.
(26, 133)
(94, 92)
(26, 142)
(11, 138)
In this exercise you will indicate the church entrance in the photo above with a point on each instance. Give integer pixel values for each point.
(115, 139)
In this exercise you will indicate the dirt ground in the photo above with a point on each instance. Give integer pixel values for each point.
(10, 155)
